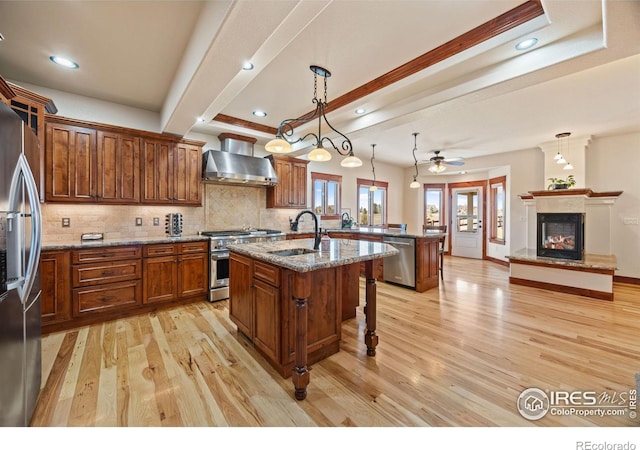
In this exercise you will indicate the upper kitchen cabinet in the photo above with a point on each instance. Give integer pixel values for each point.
(171, 172)
(98, 163)
(69, 163)
(291, 191)
(31, 108)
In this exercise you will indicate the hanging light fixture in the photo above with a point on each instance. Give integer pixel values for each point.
(373, 186)
(437, 167)
(559, 158)
(282, 142)
(563, 148)
(415, 184)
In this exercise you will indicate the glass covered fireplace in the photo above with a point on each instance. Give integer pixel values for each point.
(561, 235)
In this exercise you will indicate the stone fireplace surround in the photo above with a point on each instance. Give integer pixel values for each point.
(593, 275)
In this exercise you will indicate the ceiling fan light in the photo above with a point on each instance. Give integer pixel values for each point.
(351, 161)
(414, 184)
(319, 154)
(437, 168)
(278, 145)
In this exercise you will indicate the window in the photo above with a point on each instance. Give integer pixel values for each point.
(498, 207)
(372, 204)
(325, 197)
(434, 205)
(467, 213)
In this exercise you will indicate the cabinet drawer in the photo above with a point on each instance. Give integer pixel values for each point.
(159, 250)
(194, 247)
(97, 299)
(105, 254)
(266, 273)
(92, 274)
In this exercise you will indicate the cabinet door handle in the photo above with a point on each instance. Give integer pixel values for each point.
(108, 298)
(108, 273)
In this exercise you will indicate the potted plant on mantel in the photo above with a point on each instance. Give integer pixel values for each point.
(559, 183)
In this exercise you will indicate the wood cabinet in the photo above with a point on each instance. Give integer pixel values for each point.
(171, 173)
(261, 305)
(174, 271)
(70, 163)
(105, 279)
(291, 191)
(89, 162)
(55, 273)
(90, 285)
(31, 108)
(117, 168)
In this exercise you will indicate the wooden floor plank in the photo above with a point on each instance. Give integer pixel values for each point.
(459, 355)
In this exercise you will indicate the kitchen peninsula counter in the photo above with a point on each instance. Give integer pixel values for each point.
(427, 250)
(290, 306)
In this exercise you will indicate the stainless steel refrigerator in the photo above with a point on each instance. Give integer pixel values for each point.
(20, 286)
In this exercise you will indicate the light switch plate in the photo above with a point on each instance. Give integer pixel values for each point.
(630, 221)
(138, 221)
(66, 222)
(156, 220)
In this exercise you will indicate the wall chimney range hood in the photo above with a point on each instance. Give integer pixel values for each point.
(235, 163)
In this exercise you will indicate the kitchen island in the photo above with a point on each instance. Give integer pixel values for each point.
(426, 250)
(286, 298)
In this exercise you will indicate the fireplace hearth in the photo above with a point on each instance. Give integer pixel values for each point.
(560, 235)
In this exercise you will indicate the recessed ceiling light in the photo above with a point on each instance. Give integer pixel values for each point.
(201, 119)
(259, 113)
(361, 111)
(247, 66)
(526, 44)
(64, 62)
(462, 172)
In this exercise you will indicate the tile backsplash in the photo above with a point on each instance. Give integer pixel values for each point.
(224, 207)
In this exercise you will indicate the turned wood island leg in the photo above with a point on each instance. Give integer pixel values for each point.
(370, 337)
(301, 294)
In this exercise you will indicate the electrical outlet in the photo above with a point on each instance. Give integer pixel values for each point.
(156, 221)
(630, 221)
(66, 222)
(138, 221)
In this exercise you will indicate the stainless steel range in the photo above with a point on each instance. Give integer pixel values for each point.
(219, 255)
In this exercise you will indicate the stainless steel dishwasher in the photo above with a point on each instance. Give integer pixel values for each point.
(401, 268)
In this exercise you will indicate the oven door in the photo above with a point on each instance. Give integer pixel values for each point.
(219, 269)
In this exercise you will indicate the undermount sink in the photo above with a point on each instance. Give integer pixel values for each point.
(292, 252)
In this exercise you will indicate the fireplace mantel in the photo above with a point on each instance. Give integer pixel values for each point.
(587, 193)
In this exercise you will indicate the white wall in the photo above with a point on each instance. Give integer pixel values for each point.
(613, 164)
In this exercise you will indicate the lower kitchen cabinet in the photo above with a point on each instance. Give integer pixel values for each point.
(105, 279)
(90, 285)
(55, 272)
(180, 271)
(261, 305)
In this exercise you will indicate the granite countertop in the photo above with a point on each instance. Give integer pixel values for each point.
(387, 232)
(120, 241)
(590, 261)
(340, 252)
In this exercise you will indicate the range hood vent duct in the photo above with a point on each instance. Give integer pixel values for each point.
(235, 163)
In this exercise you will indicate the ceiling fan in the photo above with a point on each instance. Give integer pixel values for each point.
(438, 163)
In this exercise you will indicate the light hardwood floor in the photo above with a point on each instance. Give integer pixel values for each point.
(457, 356)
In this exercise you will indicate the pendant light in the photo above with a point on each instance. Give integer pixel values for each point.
(373, 186)
(415, 184)
(282, 142)
(563, 143)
